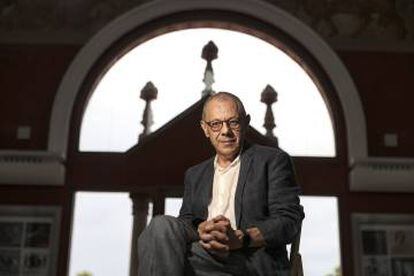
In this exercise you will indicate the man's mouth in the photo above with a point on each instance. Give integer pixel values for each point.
(228, 142)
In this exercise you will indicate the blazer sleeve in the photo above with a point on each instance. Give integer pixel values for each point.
(285, 211)
(186, 212)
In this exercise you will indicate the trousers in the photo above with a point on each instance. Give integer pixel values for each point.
(169, 246)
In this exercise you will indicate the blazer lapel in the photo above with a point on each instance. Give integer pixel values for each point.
(206, 187)
(244, 169)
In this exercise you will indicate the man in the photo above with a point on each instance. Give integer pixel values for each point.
(239, 210)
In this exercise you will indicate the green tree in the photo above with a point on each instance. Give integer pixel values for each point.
(84, 273)
(337, 272)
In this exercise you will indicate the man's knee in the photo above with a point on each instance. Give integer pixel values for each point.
(163, 221)
(162, 225)
(160, 230)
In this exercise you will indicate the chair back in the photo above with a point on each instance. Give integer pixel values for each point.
(295, 257)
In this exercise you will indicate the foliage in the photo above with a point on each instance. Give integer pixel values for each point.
(84, 273)
(337, 272)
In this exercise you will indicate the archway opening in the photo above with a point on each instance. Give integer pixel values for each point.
(246, 64)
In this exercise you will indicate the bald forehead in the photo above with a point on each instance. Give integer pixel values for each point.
(217, 102)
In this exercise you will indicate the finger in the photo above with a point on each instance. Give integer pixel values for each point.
(210, 227)
(205, 245)
(215, 245)
(204, 224)
(220, 218)
(221, 226)
(207, 227)
(201, 227)
(218, 228)
(219, 236)
(206, 237)
(224, 225)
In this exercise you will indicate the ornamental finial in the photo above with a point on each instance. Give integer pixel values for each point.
(269, 97)
(148, 94)
(209, 54)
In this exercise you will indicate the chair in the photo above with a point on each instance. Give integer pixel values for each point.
(295, 257)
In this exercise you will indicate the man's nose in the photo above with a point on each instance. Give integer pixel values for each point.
(225, 129)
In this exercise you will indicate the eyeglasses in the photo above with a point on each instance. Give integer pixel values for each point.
(216, 125)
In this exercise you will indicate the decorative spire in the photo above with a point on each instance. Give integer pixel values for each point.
(269, 97)
(209, 53)
(148, 94)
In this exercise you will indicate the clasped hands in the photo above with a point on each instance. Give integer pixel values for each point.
(218, 237)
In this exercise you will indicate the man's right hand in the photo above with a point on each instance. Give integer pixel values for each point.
(213, 234)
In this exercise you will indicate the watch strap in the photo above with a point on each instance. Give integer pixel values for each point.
(246, 239)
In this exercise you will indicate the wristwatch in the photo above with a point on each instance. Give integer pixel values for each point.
(246, 239)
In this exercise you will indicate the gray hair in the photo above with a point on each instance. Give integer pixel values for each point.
(222, 96)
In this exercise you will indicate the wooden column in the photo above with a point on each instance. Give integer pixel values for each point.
(158, 201)
(140, 204)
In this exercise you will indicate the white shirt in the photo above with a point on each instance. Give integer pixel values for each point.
(224, 191)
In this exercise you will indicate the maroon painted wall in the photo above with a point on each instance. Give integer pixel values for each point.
(29, 78)
(385, 82)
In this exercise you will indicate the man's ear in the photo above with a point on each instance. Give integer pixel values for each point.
(247, 119)
(204, 128)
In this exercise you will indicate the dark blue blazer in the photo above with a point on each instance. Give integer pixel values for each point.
(267, 197)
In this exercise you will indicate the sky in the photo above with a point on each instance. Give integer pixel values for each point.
(245, 65)
(101, 234)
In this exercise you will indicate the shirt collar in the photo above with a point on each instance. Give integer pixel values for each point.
(231, 165)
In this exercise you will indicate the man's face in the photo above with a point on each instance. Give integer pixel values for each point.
(227, 140)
